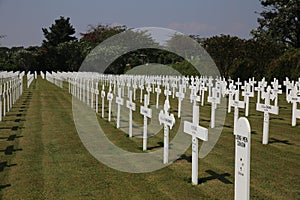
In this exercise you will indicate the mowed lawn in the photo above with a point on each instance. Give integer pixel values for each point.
(42, 157)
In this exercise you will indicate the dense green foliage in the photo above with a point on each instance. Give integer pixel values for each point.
(279, 22)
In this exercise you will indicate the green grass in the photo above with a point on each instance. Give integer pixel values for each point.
(50, 162)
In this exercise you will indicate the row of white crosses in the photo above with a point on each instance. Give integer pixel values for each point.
(11, 88)
(197, 87)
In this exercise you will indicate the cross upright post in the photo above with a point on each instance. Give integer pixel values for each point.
(147, 113)
(168, 120)
(131, 106)
(119, 101)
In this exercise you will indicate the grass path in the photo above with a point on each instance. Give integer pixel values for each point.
(48, 160)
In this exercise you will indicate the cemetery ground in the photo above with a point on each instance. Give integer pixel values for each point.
(42, 157)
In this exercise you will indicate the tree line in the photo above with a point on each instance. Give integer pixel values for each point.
(273, 51)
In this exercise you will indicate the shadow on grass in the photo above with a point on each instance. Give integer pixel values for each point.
(159, 145)
(215, 176)
(4, 186)
(11, 137)
(4, 165)
(9, 150)
(185, 157)
(274, 140)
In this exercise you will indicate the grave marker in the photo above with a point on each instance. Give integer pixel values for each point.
(102, 98)
(267, 108)
(147, 112)
(214, 100)
(294, 99)
(236, 103)
(197, 132)
(120, 102)
(110, 97)
(131, 105)
(168, 120)
(242, 159)
(180, 95)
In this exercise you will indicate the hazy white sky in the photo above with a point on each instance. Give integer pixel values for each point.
(22, 21)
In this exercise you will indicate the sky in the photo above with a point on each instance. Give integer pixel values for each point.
(21, 21)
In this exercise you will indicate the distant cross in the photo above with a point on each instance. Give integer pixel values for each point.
(97, 96)
(148, 88)
(174, 86)
(203, 88)
(230, 91)
(102, 97)
(236, 103)
(110, 97)
(214, 100)
(276, 90)
(260, 88)
(147, 112)
(294, 98)
(267, 108)
(141, 90)
(119, 101)
(158, 91)
(180, 95)
(0, 102)
(168, 120)
(92, 94)
(246, 94)
(131, 105)
(134, 89)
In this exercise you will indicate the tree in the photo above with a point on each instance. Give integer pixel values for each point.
(225, 50)
(279, 22)
(61, 31)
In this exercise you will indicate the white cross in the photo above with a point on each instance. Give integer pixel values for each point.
(147, 112)
(167, 92)
(180, 95)
(236, 103)
(174, 86)
(203, 88)
(134, 89)
(4, 97)
(141, 90)
(102, 97)
(110, 97)
(288, 86)
(230, 91)
(168, 120)
(120, 102)
(97, 94)
(246, 94)
(0, 102)
(294, 99)
(276, 90)
(193, 95)
(197, 132)
(148, 88)
(260, 88)
(92, 94)
(214, 100)
(267, 108)
(131, 105)
(158, 91)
